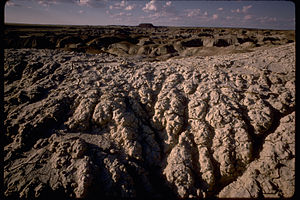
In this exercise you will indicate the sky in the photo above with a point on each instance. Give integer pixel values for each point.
(243, 14)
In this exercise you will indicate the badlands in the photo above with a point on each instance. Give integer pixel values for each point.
(155, 112)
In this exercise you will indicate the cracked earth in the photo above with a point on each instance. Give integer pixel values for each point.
(79, 125)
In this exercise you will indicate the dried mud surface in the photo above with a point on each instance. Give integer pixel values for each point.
(80, 125)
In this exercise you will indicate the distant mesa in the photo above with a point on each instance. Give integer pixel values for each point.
(146, 25)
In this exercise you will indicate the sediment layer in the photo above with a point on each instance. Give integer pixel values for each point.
(79, 125)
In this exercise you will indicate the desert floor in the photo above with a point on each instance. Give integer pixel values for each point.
(163, 112)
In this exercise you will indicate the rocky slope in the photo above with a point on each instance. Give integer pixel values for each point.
(146, 43)
(79, 125)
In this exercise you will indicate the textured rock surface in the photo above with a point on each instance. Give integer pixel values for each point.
(144, 41)
(79, 125)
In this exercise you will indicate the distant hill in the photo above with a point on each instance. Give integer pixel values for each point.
(146, 25)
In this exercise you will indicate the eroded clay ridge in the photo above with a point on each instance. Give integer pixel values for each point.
(144, 42)
(79, 125)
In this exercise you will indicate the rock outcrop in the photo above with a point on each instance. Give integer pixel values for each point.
(145, 41)
(79, 125)
(146, 25)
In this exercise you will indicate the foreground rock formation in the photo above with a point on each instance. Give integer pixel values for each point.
(79, 125)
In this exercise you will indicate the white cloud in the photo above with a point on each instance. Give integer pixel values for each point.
(118, 15)
(156, 15)
(174, 18)
(267, 19)
(236, 10)
(89, 3)
(168, 3)
(215, 16)
(246, 8)
(203, 16)
(83, 2)
(122, 6)
(10, 4)
(247, 17)
(243, 10)
(150, 6)
(47, 3)
(130, 7)
(193, 12)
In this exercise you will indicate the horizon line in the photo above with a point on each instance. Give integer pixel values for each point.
(154, 26)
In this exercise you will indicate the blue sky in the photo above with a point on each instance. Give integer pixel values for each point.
(247, 14)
